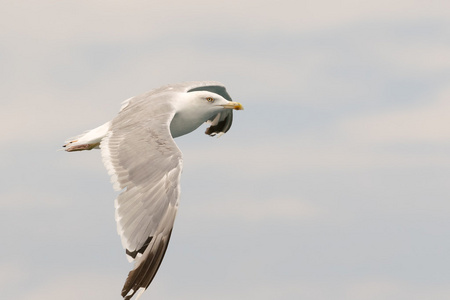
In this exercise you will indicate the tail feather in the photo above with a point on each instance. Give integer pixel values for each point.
(88, 140)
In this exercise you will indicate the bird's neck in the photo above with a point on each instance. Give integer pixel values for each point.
(183, 123)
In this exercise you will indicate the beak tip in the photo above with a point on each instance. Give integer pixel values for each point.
(233, 105)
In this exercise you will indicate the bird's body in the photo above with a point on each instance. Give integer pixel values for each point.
(145, 164)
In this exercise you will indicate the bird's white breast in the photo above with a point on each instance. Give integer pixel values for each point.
(183, 123)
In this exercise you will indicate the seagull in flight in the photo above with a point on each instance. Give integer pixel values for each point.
(145, 165)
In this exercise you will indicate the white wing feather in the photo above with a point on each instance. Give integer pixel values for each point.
(145, 163)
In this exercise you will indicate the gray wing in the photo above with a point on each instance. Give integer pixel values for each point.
(220, 123)
(145, 163)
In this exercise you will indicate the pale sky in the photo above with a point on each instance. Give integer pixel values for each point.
(333, 183)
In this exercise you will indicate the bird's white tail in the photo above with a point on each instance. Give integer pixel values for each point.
(87, 140)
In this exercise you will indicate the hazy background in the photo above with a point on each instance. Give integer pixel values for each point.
(333, 183)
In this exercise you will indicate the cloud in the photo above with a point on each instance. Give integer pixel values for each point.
(425, 122)
(121, 20)
(257, 210)
(89, 285)
(394, 289)
(12, 276)
(27, 199)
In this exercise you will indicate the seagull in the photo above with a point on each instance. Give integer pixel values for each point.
(145, 164)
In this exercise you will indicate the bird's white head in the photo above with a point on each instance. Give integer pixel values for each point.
(199, 105)
(209, 103)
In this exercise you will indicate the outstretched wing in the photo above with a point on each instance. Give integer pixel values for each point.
(145, 163)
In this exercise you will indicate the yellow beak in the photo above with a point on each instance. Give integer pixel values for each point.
(233, 105)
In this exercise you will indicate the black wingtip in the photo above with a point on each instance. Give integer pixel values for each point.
(143, 274)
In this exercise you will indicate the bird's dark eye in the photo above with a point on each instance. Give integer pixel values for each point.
(209, 99)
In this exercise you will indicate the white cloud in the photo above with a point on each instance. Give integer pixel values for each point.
(427, 122)
(416, 56)
(343, 288)
(12, 275)
(377, 288)
(123, 20)
(288, 156)
(251, 209)
(89, 286)
(35, 117)
(29, 199)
